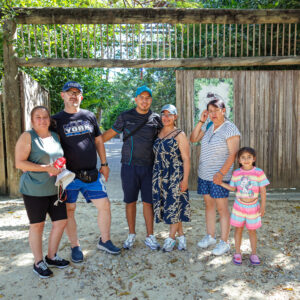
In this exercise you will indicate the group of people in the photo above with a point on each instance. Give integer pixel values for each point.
(155, 161)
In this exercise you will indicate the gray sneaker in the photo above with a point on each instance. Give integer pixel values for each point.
(207, 241)
(151, 242)
(221, 248)
(181, 243)
(169, 244)
(129, 241)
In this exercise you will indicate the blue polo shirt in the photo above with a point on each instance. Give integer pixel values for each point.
(137, 149)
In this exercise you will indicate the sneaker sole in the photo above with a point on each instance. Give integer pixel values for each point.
(206, 246)
(107, 250)
(41, 276)
(55, 266)
(152, 248)
(218, 254)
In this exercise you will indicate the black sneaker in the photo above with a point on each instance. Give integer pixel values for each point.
(57, 262)
(42, 270)
(109, 247)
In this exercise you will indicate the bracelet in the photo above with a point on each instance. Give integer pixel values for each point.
(221, 173)
(104, 165)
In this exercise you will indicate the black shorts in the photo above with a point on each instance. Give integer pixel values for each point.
(38, 207)
(135, 179)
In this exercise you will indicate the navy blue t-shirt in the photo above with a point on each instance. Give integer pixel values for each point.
(137, 150)
(77, 134)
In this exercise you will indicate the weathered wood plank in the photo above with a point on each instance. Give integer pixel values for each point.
(3, 187)
(153, 15)
(297, 140)
(12, 109)
(159, 63)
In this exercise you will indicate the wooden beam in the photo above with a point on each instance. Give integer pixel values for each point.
(3, 190)
(154, 15)
(159, 63)
(12, 106)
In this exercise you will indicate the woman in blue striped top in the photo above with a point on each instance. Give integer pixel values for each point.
(219, 145)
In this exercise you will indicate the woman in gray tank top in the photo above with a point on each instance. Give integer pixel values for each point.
(36, 150)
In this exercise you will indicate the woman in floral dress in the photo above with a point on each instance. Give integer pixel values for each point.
(170, 178)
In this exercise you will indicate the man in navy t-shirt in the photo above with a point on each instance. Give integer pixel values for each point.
(140, 128)
(81, 139)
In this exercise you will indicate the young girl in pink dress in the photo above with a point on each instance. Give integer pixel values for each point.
(248, 181)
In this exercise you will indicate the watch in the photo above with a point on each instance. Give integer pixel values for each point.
(104, 165)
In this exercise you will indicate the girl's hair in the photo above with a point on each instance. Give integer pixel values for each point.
(215, 101)
(39, 107)
(246, 150)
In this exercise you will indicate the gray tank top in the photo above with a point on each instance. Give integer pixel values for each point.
(43, 152)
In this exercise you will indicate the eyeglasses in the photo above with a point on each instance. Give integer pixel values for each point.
(214, 111)
(145, 98)
(72, 93)
(167, 115)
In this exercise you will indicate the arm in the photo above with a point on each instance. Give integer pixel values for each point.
(22, 152)
(263, 196)
(184, 148)
(108, 134)
(102, 154)
(233, 147)
(197, 133)
(228, 187)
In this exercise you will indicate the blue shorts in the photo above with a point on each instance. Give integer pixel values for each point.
(135, 179)
(90, 191)
(206, 187)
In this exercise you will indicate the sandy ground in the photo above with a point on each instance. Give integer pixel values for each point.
(144, 274)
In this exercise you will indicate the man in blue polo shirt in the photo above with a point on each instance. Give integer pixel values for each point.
(140, 128)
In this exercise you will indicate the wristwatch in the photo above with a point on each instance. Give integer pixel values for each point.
(104, 165)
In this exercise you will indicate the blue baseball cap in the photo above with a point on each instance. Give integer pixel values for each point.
(142, 89)
(72, 84)
(170, 108)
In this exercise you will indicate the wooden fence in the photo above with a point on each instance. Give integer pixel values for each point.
(267, 113)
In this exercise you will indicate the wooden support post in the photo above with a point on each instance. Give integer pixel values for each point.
(12, 106)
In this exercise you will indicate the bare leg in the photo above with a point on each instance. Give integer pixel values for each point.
(131, 216)
(104, 217)
(173, 230)
(238, 239)
(180, 229)
(210, 215)
(149, 217)
(55, 236)
(253, 240)
(222, 206)
(35, 240)
(71, 228)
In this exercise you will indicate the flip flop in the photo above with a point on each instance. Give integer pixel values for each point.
(254, 260)
(237, 259)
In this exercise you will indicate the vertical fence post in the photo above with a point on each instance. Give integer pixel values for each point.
(12, 106)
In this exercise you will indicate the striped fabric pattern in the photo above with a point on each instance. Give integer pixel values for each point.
(246, 213)
(248, 182)
(214, 150)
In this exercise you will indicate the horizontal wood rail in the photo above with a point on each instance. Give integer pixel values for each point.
(154, 15)
(159, 63)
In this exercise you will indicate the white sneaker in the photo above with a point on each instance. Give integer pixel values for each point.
(129, 241)
(207, 241)
(181, 243)
(221, 248)
(151, 242)
(169, 244)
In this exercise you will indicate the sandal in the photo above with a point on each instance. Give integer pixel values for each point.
(237, 259)
(254, 260)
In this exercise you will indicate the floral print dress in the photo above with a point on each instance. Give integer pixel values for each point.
(170, 204)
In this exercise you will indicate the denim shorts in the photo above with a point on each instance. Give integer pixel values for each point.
(90, 191)
(206, 187)
(135, 179)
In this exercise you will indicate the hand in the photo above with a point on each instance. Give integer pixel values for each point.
(204, 116)
(105, 171)
(262, 211)
(183, 185)
(52, 171)
(218, 178)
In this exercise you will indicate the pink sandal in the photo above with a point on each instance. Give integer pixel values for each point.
(254, 260)
(237, 259)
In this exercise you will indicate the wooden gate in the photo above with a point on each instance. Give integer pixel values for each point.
(267, 113)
